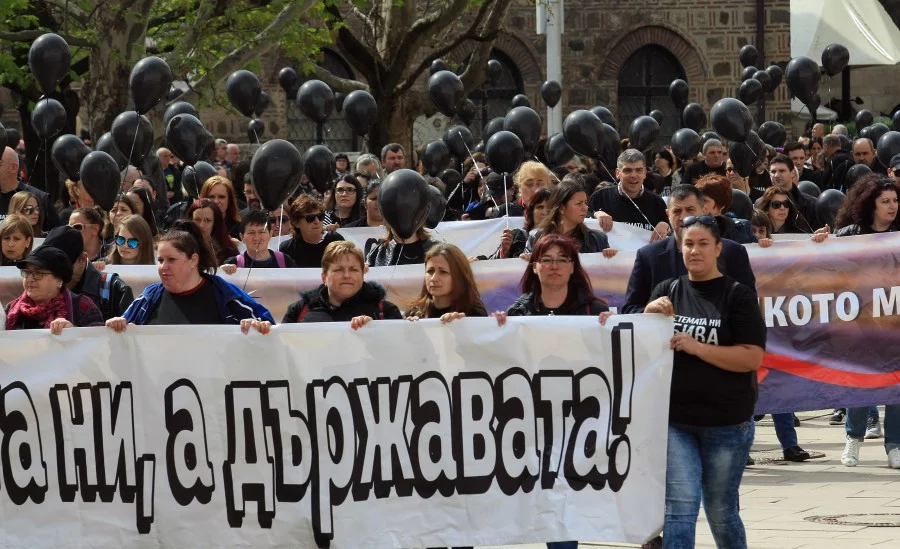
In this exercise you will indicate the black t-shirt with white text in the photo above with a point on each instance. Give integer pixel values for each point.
(703, 394)
(622, 210)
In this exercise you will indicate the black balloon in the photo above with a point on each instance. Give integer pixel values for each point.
(450, 178)
(744, 156)
(360, 110)
(835, 58)
(678, 92)
(643, 132)
(445, 90)
(193, 177)
(318, 162)
(557, 151)
(339, 101)
(809, 188)
(460, 141)
(188, 139)
(262, 104)
(438, 65)
(750, 91)
(583, 132)
(48, 118)
(657, 115)
(49, 60)
(404, 201)
(609, 147)
(605, 116)
(773, 133)
(887, 146)
(706, 136)
(107, 145)
(802, 75)
(435, 157)
(731, 119)
(493, 126)
(895, 120)
(150, 81)
(519, 100)
(504, 151)
(466, 111)
(876, 131)
(694, 117)
(686, 143)
(179, 107)
(316, 101)
(741, 205)
(243, 89)
(748, 55)
(255, 129)
(132, 134)
(526, 124)
(288, 80)
(494, 71)
(68, 152)
(551, 92)
(776, 74)
(100, 177)
(813, 105)
(763, 78)
(748, 73)
(828, 205)
(437, 207)
(174, 93)
(864, 118)
(855, 172)
(866, 133)
(275, 170)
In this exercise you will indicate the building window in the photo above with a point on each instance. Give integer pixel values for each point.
(493, 101)
(644, 86)
(301, 131)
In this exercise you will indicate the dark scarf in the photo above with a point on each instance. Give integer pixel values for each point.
(44, 313)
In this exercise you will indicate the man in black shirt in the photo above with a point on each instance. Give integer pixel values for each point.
(864, 153)
(838, 161)
(629, 202)
(795, 152)
(10, 185)
(713, 162)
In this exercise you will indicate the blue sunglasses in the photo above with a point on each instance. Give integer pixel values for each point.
(133, 243)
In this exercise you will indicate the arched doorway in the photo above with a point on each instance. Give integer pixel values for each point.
(338, 135)
(644, 86)
(492, 101)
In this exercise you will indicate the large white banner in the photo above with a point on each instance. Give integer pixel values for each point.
(399, 435)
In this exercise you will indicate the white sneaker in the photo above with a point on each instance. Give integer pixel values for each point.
(873, 428)
(894, 458)
(850, 457)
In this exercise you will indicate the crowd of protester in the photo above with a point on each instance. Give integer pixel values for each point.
(694, 264)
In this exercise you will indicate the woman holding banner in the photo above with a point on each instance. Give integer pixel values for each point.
(189, 292)
(449, 290)
(513, 241)
(568, 209)
(719, 341)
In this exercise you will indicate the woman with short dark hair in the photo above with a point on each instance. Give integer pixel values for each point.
(309, 238)
(343, 204)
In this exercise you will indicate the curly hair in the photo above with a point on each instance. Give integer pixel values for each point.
(859, 209)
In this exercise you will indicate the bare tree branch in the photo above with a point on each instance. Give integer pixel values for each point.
(475, 72)
(338, 84)
(192, 35)
(427, 26)
(365, 19)
(71, 10)
(362, 56)
(31, 35)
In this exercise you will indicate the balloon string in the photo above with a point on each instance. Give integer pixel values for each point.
(46, 167)
(137, 128)
(505, 197)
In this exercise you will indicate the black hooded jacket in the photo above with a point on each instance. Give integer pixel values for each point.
(313, 306)
(584, 304)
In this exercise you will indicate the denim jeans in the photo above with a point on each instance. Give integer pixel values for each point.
(856, 424)
(562, 545)
(784, 430)
(705, 463)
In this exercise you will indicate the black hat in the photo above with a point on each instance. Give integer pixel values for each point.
(51, 259)
(68, 240)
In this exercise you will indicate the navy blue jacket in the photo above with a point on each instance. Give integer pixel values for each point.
(662, 260)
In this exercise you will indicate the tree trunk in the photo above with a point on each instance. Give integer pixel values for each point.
(394, 123)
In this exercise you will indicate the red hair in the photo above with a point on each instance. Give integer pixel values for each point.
(579, 281)
(220, 240)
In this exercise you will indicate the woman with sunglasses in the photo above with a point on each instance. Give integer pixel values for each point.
(371, 212)
(343, 204)
(27, 204)
(719, 341)
(89, 222)
(45, 301)
(133, 243)
(782, 213)
(309, 239)
(208, 217)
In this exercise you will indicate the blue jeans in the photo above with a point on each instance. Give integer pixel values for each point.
(705, 463)
(784, 430)
(855, 424)
(562, 545)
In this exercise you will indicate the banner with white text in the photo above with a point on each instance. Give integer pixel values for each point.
(398, 435)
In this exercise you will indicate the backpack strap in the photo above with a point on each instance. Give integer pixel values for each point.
(279, 259)
(672, 287)
(303, 312)
(239, 260)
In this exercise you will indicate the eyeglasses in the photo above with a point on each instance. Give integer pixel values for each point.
(34, 275)
(345, 190)
(28, 210)
(778, 204)
(560, 261)
(311, 218)
(707, 220)
(133, 243)
(273, 221)
(82, 226)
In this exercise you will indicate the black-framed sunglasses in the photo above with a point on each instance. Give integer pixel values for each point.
(778, 204)
(311, 218)
(132, 243)
(273, 221)
(707, 220)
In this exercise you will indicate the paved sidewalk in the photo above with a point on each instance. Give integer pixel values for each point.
(778, 498)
